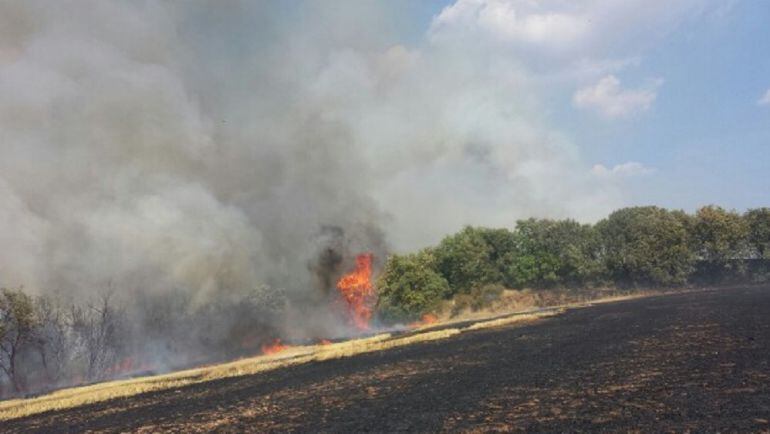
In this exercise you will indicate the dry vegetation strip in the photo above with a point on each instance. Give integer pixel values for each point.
(83, 395)
(77, 396)
(513, 319)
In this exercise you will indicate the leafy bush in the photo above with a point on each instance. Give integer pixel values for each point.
(553, 252)
(646, 245)
(466, 260)
(758, 222)
(720, 235)
(410, 286)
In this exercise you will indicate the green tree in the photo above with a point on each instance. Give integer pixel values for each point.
(466, 260)
(553, 252)
(502, 245)
(646, 245)
(721, 239)
(410, 286)
(758, 222)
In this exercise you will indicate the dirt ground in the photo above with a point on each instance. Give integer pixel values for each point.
(685, 362)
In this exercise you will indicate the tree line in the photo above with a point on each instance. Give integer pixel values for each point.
(49, 341)
(633, 247)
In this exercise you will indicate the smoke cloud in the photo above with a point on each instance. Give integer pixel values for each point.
(202, 149)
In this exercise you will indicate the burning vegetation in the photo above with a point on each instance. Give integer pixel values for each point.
(357, 290)
(426, 319)
(274, 347)
(48, 342)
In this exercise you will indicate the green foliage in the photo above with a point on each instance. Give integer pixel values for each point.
(758, 222)
(632, 246)
(467, 260)
(503, 245)
(646, 245)
(410, 286)
(553, 252)
(720, 238)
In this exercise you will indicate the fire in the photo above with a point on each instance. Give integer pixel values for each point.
(357, 290)
(427, 319)
(325, 342)
(275, 347)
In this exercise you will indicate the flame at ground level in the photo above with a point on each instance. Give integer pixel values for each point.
(427, 319)
(275, 347)
(357, 290)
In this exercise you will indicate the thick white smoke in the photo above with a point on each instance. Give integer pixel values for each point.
(203, 147)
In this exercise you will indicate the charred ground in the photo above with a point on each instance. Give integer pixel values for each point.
(695, 361)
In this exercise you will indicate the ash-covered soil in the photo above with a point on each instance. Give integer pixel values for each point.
(685, 362)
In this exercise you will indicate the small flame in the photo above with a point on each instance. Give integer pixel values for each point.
(324, 342)
(427, 319)
(275, 347)
(357, 290)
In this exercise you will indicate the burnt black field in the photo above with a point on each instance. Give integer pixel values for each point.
(695, 361)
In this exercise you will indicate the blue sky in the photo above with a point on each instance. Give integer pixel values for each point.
(705, 135)
(705, 138)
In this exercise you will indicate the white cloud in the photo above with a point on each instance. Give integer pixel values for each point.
(567, 29)
(765, 100)
(500, 19)
(625, 170)
(611, 100)
(510, 22)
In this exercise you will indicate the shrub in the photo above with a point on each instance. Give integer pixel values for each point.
(410, 286)
(466, 260)
(646, 245)
(758, 222)
(721, 242)
(553, 252)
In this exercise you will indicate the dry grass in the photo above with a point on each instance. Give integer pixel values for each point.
(513, 319)
(83, 395)
(78, 396)
(360, 346)
(527, 300)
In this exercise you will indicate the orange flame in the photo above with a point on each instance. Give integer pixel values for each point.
(357, 290)
(325, 342)
(275, 347)
(427, 319)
